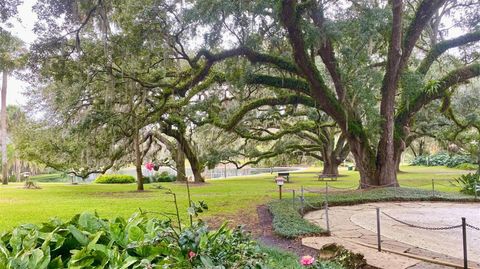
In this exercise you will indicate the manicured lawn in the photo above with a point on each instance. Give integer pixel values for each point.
(225, 197)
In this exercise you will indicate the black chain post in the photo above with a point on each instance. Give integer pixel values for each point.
(379, 241)
(464, 232)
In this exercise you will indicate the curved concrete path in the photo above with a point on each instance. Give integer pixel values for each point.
(351, 225)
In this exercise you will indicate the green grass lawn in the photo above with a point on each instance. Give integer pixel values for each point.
(224, 196)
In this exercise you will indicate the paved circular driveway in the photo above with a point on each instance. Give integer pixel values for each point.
(359, 223)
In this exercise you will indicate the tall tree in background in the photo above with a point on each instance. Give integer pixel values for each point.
(10, 59)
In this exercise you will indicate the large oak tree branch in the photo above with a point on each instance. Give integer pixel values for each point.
(436, 91)
(425, 11)
(318, 89)
(443, 46)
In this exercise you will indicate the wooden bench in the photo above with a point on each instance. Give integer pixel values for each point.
(323, 177)
(286, 175)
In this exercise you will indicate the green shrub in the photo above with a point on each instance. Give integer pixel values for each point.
(159, 177)
(467, 166)
(442, 159)
(87, 241)
(468, 183)
(115, 179)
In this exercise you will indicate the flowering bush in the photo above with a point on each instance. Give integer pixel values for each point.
(307, 260)
(149, 166)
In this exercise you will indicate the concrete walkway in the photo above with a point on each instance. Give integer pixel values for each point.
(355, 227)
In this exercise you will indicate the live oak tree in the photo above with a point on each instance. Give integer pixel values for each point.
(109, 53)
(369, 65)
(341, 53)
(268, 124)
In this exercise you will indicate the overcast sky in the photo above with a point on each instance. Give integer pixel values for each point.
(23, 30)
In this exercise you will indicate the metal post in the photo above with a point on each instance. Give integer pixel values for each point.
(293, 198)
(225, 171)
(395, 191)
(464, 231)
(433, 187)
(379, 242)
(326, 217)
(476, 184)
(326, 192)
(280, 191)
(302, 201)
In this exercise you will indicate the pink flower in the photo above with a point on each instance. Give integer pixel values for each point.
(307, 260)
(149, 166)
(191, 255)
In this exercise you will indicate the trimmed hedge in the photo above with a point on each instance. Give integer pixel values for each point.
(288, 222)
(115, 179)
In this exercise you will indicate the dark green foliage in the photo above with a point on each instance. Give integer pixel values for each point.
(87, 241)
(468, 183)
(288, 222)
(442, 159)
(115, 179)
(159, 177)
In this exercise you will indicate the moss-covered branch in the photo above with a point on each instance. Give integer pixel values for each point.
(443, 46)
(435, 90)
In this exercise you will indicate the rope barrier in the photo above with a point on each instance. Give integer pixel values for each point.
(473, 227)
(312, 206)
(423, 227)
(376, 186)
(344, 188)
(313, 191)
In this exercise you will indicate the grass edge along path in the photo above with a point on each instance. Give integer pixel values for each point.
(289, 223)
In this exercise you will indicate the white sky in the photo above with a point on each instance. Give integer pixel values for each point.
(24, 30)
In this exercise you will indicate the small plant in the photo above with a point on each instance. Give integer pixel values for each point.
(115, 179)
(467, 166)
(468, 183)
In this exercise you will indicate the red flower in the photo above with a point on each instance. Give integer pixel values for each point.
(149, 166)
(191, 255)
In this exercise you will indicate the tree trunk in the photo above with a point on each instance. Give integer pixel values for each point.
(4, 128)
(138, 162)
(197, 170)
(330, 165)
(180, 164)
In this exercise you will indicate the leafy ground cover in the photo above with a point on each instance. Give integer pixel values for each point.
(225, 197)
